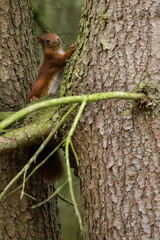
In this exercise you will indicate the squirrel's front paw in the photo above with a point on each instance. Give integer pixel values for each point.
(73, 46)
(32, 99)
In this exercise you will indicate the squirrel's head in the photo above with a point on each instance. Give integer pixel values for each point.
(50, 41)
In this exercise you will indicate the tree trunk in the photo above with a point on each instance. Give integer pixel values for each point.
(17, 74)
(118, 48)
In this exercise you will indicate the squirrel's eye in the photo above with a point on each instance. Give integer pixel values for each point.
(47, 40)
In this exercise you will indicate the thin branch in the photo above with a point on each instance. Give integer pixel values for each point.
(74, 152)
(30, 133)
(33, 171)
(68, 140)
(38, 151)
(65, 100)
(30, 196)
(64, 199)
(36, 167)
(51, 196)
(23, 184)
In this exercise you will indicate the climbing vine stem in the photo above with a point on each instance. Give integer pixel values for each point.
(65, 100)
(67, 143)
(33, 158)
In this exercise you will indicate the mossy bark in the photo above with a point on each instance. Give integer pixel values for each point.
(18, 71)
(29, 131)
(117, 49)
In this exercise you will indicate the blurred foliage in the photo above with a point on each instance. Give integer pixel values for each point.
(70, 225)
(61, 17)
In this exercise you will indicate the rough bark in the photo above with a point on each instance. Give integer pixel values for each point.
(18, 55)
(118, 48)
(29, 131)
(17, 73)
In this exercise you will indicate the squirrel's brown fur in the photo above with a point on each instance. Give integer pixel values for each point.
(48, 81)
(51, 71)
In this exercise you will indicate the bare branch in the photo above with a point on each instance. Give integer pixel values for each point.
(65, 100)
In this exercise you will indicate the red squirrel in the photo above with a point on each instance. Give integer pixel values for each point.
(48, 81)
(51, 71)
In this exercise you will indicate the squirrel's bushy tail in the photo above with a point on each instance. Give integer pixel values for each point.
(52, 169)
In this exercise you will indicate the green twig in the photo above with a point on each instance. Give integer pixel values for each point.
(46, 200)
(23, 184)
(65, 100)
(30, 196)
(64, 199)
(33, 171)
(38, 151)
(74, 152)
(68, 141)
(36, 167)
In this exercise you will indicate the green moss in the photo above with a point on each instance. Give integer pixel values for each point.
(84, 13)
(146, 87)
(105, 16)
(104, 43)
(152, 95)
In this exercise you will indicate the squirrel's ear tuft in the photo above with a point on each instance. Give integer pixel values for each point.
(47, 31)
(40, 40)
